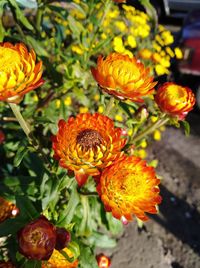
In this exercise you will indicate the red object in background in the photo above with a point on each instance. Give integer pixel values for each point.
(2, 137)
(191, 62)
(103, 261)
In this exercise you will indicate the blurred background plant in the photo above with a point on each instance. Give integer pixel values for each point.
(68, 36)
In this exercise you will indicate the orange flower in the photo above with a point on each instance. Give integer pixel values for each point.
(129, 187)
(123, 77)
(57, 260)
(19, 71)
(175, 100)
(7, 209)
(87, 144)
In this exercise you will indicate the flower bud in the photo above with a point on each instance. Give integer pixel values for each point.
(63, 237)
(37, 239)
(103, 261)
(142, 113)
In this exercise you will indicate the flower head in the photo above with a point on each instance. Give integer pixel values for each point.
(103, 261)
(19, 71)
(57, 260)
(7, 209)
(37, 239)
(86, 144)
(123, 77)
(175, 100)
(7, 264)
(129, 187)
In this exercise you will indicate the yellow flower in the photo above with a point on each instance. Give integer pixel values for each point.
(96, 97)
(131, 41)
(143, 144)
(103, 36)
(145, 53)
(19, 72)
(119, 118)
(154, 118)
(101, 109)
(170, 52)
(128, 52)
(58, 103)
(77, 49)
(140, 153)
(118, 44)
(83, 110)
(123, 77)
(129, 187)
(157, 135)
(130, 132)
(178, 53)
(87, 144)
(68, 101)
(57, 260)
(161, 70)
(175, 100)
(167, 37)
(120, 26)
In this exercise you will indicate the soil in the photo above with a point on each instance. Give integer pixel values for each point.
(170, 239)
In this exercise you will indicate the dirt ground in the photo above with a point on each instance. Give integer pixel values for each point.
(172, 238)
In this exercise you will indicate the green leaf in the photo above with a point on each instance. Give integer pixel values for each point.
(22, 151)
(20, 16)
(74, 248)
(37, 45)
(101, 240)
(75, 26)
(87, 257)
(68, 213)
(26, 207)
(186, 126)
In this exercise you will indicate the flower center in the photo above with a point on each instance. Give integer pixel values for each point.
(176, 93)
(9, 58)
(89, 138)
(35, 237)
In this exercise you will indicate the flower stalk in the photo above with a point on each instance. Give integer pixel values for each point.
(109, 106)
(149, 129)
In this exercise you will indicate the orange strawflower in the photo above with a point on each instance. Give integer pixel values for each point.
(57, 260)
(129, 187)
(87, 144)
(7, 209)
(175, 100)
(19, 71)
(123, 77)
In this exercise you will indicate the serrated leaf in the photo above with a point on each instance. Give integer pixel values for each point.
(20, 16)
(22, 151)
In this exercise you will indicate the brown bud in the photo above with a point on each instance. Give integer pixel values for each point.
(37, 239)
(63, 237)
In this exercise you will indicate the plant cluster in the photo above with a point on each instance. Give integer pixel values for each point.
(71, 173)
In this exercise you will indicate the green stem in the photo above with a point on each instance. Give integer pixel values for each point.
(20, 119)
(106, 10)
(150, 129)
(109, 106)
(27, 130)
